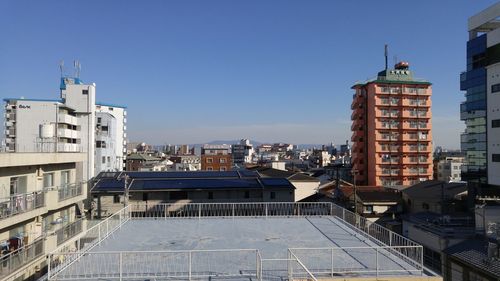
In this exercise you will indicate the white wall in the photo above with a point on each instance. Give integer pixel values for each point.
(493, 108)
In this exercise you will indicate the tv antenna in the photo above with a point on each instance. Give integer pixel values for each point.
(386, 53)
(78, 67)
(61, 67)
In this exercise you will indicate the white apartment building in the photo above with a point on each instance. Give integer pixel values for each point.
(41, 198)
(449, 169)
(111, 144)
(68, 124)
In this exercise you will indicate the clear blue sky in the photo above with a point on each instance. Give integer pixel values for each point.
(195, 71)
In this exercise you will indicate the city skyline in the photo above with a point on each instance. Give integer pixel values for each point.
(225, 70)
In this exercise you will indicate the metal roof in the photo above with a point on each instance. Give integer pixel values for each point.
(473, 252)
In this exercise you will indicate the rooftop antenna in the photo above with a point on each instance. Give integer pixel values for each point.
(386, 53)
(77, 66)
(61, 67)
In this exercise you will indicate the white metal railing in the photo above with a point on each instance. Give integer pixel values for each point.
(142, 264)
(21, 203)
(69, 231)
(368, 260)
(69, 191)
(16, 259)
(381, 236)
(177, 265)
(194, 210)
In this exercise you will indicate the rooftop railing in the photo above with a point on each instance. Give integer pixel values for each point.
(21, 203)
(383, 245)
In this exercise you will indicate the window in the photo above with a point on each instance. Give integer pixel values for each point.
(222, 160)
(247, 194)
(495, 123)
(100, 144)
(14, 182)
(65, 178)
(495, 157)
(48, 180)
(104, 160)
(425, 206)
(495, 88)
(210, 195)
(210, 160)
(116, 198)
(144, 197)
(369, 209)
(85, 92)
(210, 169)
(273, 195)
(99, 120)
(222, 169)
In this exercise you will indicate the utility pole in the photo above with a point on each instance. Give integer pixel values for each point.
(125, 190)
(354, 174)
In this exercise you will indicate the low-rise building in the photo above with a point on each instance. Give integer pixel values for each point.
(185, 163)
(435, 196)
(304, 185)
(137, 160)
(216, 158)
(188, 187)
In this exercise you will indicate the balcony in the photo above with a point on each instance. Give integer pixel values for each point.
(69, 191)
(67, 119)
(67, 133)
(69, 231)
(18, 204)
(16, 259)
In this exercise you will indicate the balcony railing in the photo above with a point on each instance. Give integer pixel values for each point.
(69, 191)
(21, 203)
(18, 258)
(69, 231)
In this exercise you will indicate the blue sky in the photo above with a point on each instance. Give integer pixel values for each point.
(194, 71)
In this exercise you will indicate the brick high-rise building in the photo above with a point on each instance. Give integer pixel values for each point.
(391, 126)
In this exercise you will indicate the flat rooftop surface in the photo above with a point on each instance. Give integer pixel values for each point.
(272, 236)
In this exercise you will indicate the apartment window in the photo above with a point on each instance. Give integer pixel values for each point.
(116, 198)
(222, 169)
(85, 92)
(14, 183)
(99, 120)
(210, 160)
(369, 209)
(100, 144)
(495, 157)
(222, 160)
(273, 195)
(210, 195)
(495, 123)
(495, 88)
(48, 180)
(210, 169)
(104, 160)
(247, 194)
